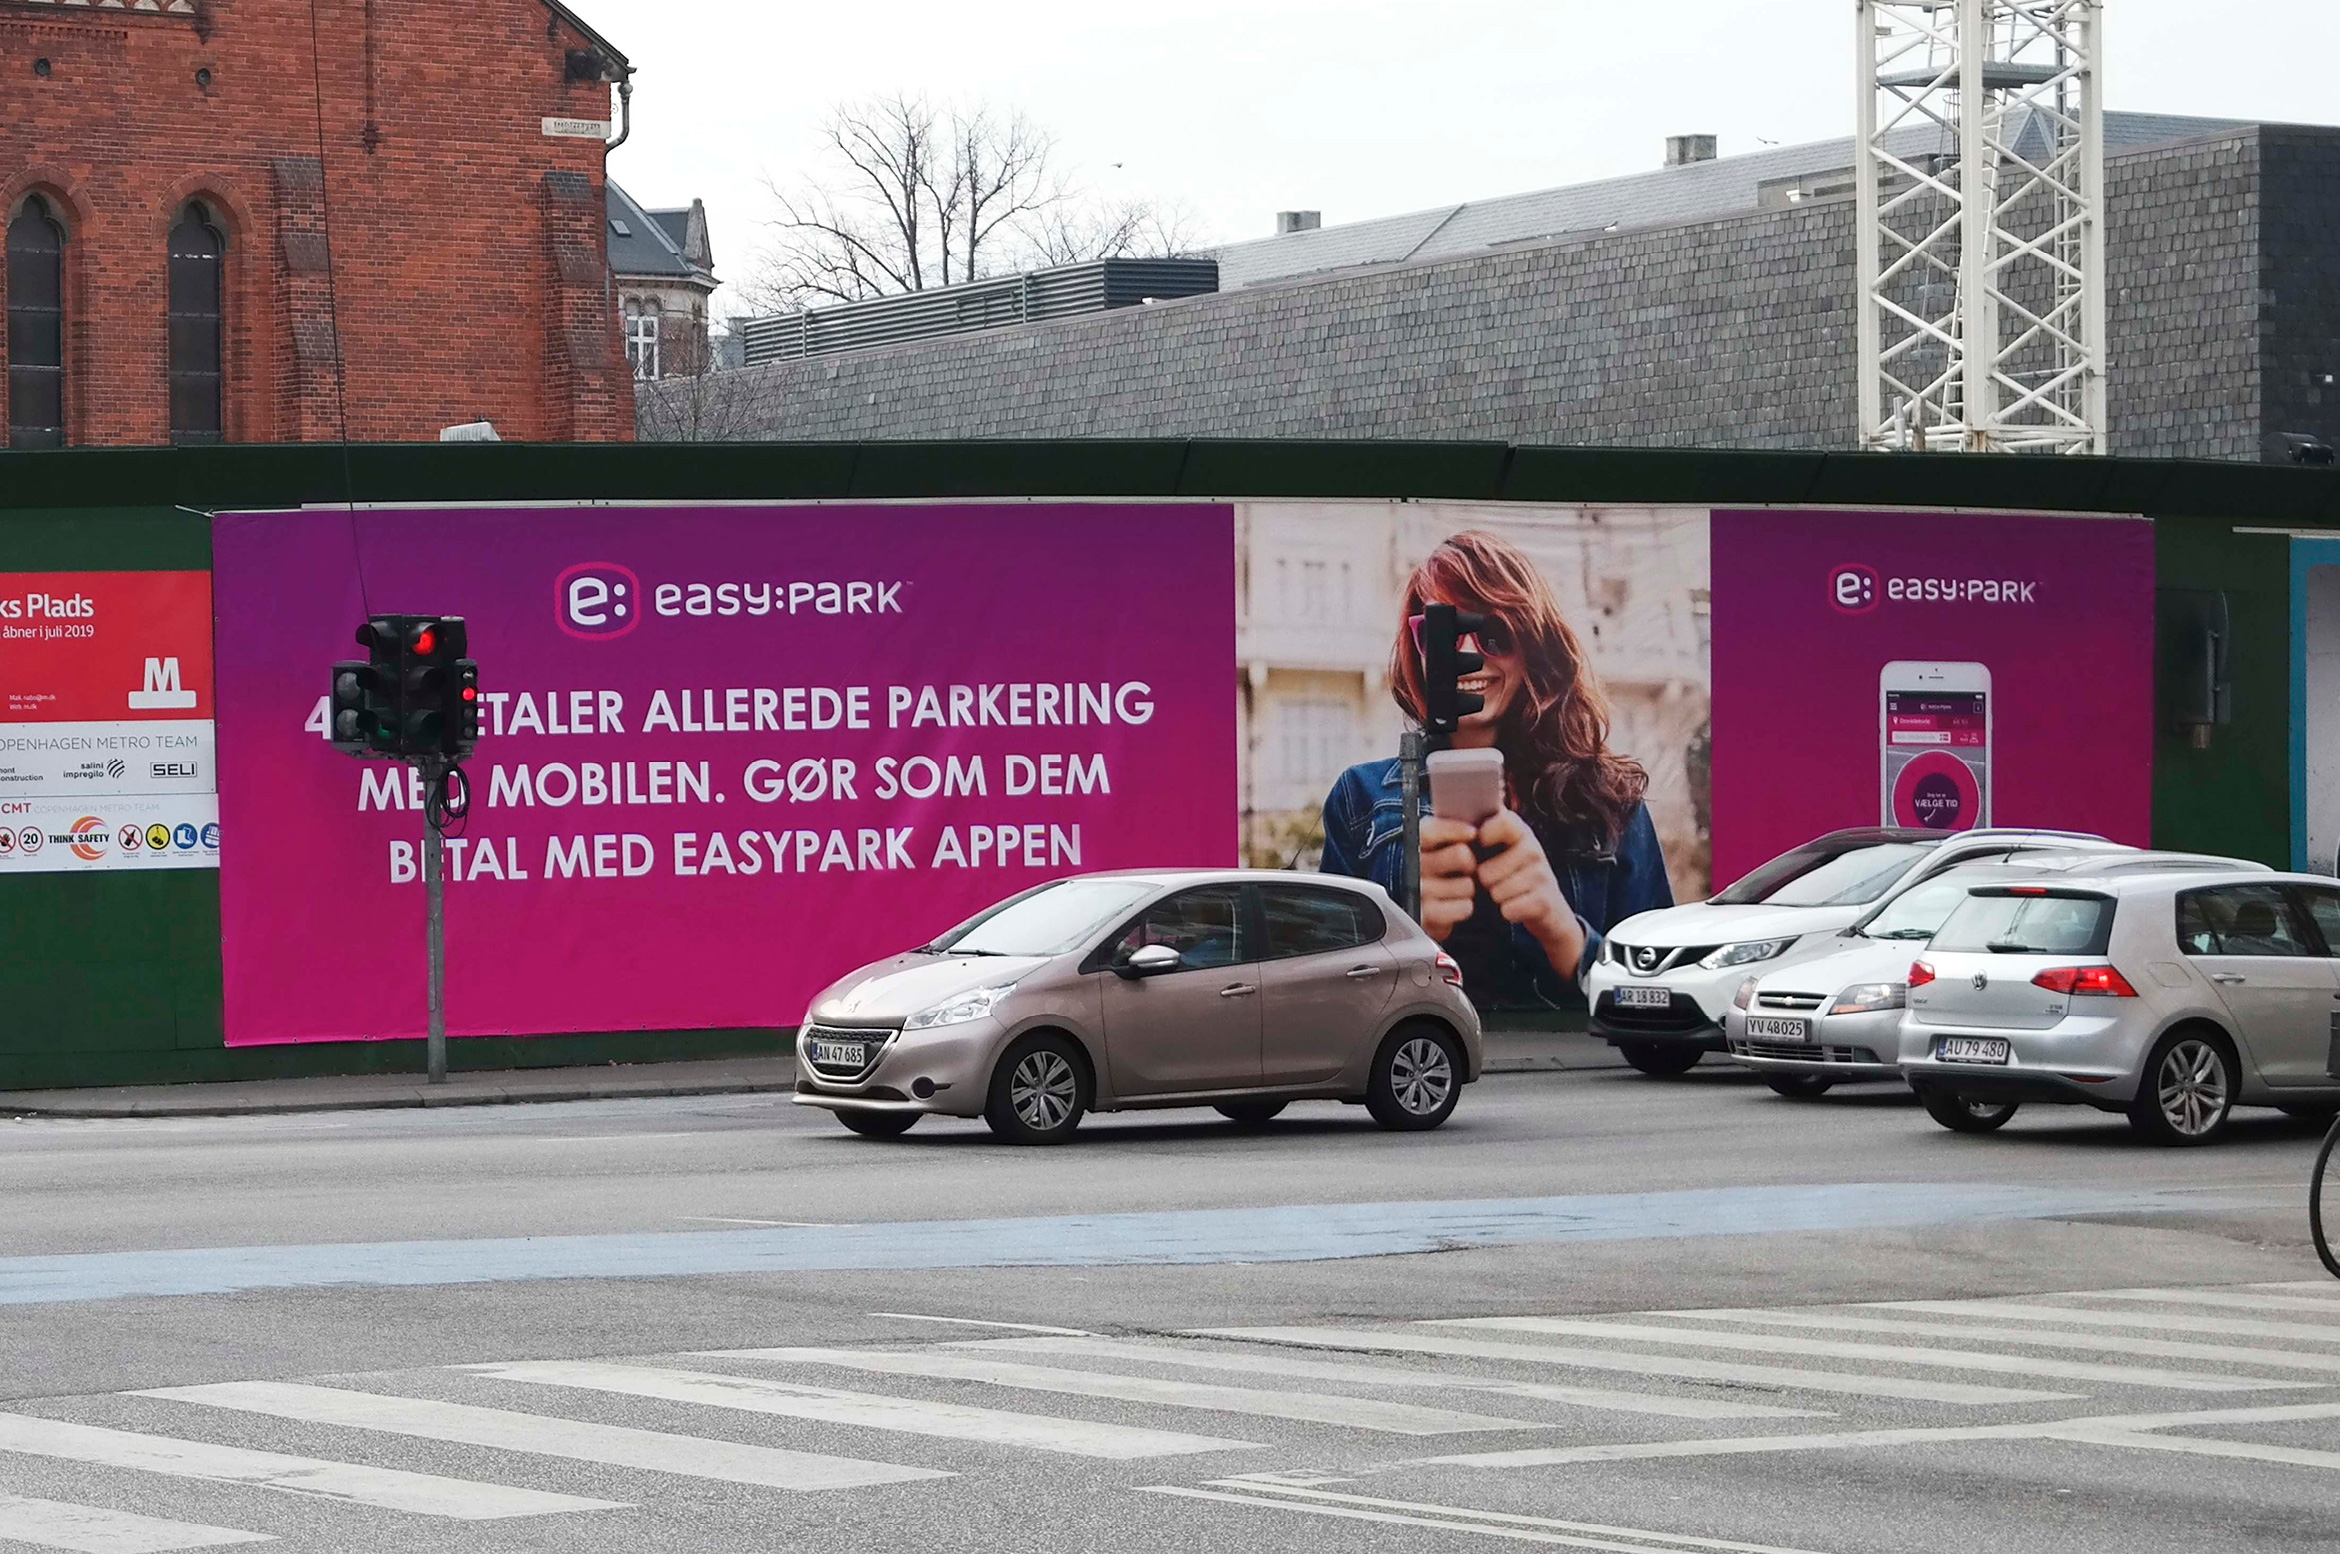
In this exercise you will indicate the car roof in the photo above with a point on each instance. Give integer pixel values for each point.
(1171, 877)
(2165, 873)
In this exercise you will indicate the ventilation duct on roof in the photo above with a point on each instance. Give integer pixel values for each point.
(1298, 221)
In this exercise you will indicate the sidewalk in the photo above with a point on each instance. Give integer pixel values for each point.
(1508, 1052)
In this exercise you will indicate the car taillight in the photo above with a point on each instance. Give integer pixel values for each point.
(1920, 974)
(1450, 969)
(2085, 981)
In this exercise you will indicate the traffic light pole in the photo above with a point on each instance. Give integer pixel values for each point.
(434, 869)
(1410, 745)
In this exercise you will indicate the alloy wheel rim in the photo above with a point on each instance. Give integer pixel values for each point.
(1421, 1076)
(1042, 1090)
(2193, 1088)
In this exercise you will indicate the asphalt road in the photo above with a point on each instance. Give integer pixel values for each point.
(1595, 1310)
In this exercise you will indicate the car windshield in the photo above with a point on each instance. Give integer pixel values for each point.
(1826, 876)
(2030, 924)
(1049, 921)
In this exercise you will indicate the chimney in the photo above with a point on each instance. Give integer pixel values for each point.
(1682, 150)
(1301, 220)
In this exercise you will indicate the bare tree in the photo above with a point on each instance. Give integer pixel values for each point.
(738, 405)
(912, 196)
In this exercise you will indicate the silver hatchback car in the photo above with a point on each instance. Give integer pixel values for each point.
(1239, 989)
(2173, 997)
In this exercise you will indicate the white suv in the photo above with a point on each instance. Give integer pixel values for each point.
(1665, 978)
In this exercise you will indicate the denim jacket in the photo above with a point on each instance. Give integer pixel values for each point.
(1503, 965)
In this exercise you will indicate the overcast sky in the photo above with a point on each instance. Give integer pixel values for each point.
(1236, 109)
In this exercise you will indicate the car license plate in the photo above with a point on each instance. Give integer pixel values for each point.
(1776, 1029)
(1973, 1049)
(841, 1054)
(1644, 998)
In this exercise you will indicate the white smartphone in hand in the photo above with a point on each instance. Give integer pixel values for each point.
(1466, 785)
(1934, 726)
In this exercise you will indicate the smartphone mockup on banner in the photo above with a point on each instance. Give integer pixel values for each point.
(1934, 721)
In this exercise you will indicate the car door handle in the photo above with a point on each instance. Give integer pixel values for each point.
(2227, 978)
(1239, 990)
(1362, 971)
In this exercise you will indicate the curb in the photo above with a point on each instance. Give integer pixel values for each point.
(414, 1102)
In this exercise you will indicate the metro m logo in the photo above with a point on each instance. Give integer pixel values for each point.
(162, 692)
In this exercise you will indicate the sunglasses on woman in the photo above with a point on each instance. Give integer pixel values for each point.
(1494, 637)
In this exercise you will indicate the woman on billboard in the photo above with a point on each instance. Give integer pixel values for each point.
(1522, 899)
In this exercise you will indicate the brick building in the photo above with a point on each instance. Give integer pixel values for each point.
(216, 233)
(1705, 303)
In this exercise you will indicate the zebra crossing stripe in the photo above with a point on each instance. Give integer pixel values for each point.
(2239, 1300)
(1313, 1408)
(1257, 1362)
(89, 1529)
(616, 1446)
(1892, 1354)
(2129, 1321)
(1267, 1484)
(2102, 1430)
(1688, 1368)
(2048, 1338)
(1487, 1524)
(390, 1489)
(915, 1416)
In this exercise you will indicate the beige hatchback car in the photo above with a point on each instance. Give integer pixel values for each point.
(1239, 989)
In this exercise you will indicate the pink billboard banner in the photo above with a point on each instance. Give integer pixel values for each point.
(728, 753)
(1944, 670)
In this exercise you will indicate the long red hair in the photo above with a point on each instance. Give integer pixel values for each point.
(1555, 735)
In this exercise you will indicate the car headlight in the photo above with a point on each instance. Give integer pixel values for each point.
(1610, 955)
(1745, 996)
(1871, 997)
(1741, 954)
(957, 1010)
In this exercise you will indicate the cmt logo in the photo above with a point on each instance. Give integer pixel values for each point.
(162, 691)
(597, 600)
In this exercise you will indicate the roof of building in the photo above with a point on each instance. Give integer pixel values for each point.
(1696, 191)
(625, 66)
(647, 244)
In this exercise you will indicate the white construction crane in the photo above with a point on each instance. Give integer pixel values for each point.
(1980, 166)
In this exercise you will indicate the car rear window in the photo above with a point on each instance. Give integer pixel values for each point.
(2000, 922)
(1303, 921)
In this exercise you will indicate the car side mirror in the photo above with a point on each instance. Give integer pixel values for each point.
(1151, 961)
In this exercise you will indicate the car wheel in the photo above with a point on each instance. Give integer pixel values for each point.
(1799, 1087)
(879, 1125)
(1250, 1114)
(2187, 1089)
(1665, 1061)
(1038, 1091)
(1416, 1079)
(1965, 1113)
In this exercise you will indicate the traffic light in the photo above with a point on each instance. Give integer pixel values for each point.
(463, 727)
(364, 709)
(429, 648)
(1444, 706)
(416, 696)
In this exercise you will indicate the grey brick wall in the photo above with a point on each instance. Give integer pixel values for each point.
(1735, 332)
